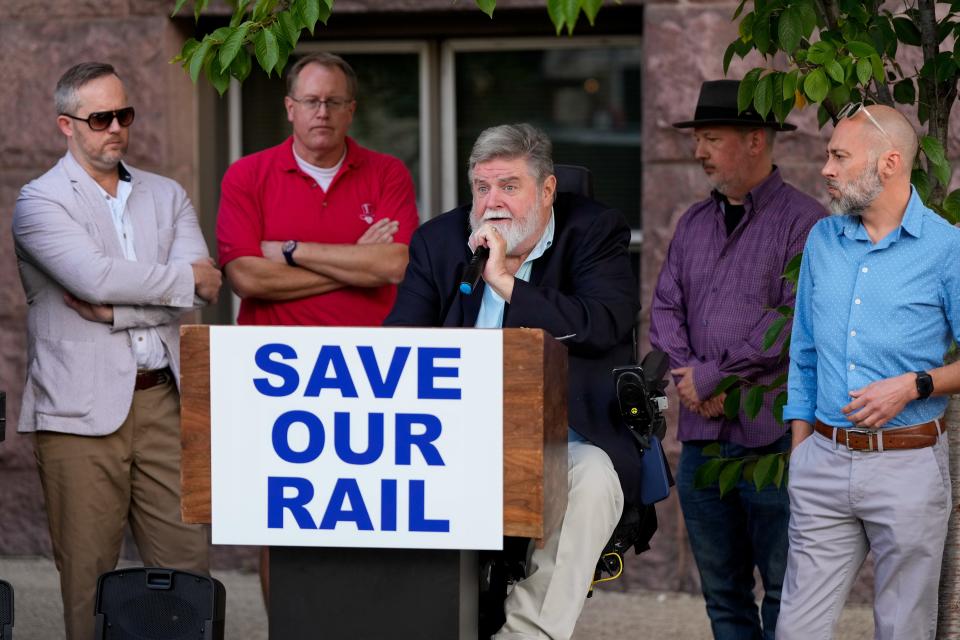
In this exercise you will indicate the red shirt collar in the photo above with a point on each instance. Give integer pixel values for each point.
(289, 163)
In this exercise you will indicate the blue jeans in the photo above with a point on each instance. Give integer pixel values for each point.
(729, 537)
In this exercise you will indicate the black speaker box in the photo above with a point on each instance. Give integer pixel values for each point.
(161, 604)
(6, 611)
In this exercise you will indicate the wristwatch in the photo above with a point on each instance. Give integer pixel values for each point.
(924, 384)
(288, 248)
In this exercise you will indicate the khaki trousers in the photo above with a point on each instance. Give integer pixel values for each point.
(844, 503)
(547, 603)
(94, 485)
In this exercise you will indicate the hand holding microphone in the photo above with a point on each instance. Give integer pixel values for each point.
(471, 275)
(488, 262)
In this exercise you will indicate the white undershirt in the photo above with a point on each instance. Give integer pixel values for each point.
(322, 176)
(147, 346)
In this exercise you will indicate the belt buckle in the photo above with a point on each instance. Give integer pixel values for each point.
(861, 430)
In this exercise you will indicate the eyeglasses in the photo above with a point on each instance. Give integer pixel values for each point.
(100, 120)
(333, 105)
(853, 109)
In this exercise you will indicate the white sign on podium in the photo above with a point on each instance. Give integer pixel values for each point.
(357, 437)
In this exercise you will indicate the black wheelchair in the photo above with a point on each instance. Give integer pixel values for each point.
(642, 402)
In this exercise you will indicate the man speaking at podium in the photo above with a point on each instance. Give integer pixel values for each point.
(557, 262)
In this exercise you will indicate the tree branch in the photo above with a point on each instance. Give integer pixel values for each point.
(828, 12)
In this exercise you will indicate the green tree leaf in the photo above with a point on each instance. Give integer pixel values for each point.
(790, 84)
(816, 85)
(951, 206)
(861, 49)
(907, 31)
(186, 52)
(821, 52)
(233, 44)
(199, 58)
(708, 473)
(289, 28)
(241, 66)
(761, 32)
(283, 48)
(773, 332)
(765, 471)
(921, 181)
(725, 384)
(712, 450)
(778, 403)
(835, 71)
(904, 91)
(309, 11)
(215, 75)
(789, 29)
(864, 70)
(266, 49)
(487, 6)
(262, 9)
(763, 95)
(781, 471)
(753, 402)
(557, 10)
(730, 476)
(591, 8)
(747, 87)
(808, 17)
(728, 55)
(791, 273)
(935, 154)
(731, 406)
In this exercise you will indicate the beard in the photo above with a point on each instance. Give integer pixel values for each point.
(517, 233)
(858, 194)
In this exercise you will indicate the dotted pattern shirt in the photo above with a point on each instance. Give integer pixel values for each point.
(869, 311)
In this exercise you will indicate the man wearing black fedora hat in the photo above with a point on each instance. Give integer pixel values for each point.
(717, 294)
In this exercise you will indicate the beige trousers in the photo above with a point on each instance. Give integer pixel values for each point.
(94, 485)
(547, 603)
(844, 503)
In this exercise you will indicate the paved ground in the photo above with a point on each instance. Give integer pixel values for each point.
(609, 615)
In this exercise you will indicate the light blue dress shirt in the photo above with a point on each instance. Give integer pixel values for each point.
(493, 306)
(868, 311)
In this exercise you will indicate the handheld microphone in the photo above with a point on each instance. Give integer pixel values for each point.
(471, 275)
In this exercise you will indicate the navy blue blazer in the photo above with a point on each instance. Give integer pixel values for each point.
(582, 285)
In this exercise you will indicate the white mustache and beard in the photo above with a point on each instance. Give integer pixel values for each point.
(858, 194)
(518, 231)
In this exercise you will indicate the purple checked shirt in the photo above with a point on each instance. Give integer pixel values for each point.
(717, 295)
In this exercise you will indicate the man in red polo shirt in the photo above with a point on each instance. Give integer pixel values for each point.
(314, 231)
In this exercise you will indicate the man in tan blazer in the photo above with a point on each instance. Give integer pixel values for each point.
(110, 257)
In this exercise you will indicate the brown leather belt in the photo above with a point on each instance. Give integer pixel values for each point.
(148, 379)
(862, 439)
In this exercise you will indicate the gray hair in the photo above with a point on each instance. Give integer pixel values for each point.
(515, 141)
(329, 60)
(65, 97)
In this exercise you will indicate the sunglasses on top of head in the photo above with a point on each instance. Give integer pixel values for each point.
(854, 108)
(100, 120)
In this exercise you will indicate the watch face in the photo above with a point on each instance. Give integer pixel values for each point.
(289, 246)
(924, 384)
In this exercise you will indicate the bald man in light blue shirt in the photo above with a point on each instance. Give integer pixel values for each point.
(878, 305)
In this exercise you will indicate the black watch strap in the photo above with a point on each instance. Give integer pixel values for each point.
(924, 384)
(288, 248)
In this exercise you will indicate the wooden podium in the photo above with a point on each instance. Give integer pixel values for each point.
(321, 592)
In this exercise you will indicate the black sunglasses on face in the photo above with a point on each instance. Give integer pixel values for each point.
(100, 120)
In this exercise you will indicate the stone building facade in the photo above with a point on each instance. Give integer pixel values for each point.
(179, 132)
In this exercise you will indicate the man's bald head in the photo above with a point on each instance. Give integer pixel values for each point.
(898, 134)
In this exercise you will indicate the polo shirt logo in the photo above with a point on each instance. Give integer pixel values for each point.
(367, 212)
